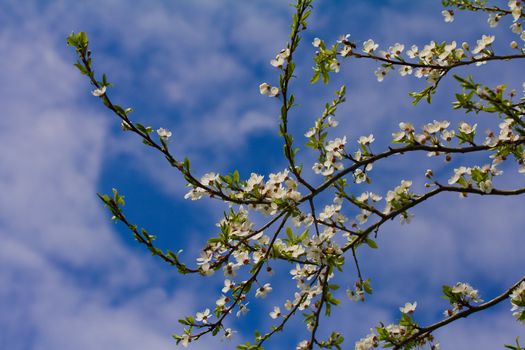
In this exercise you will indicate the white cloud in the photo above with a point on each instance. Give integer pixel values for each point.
(59, 311)
(66, 281)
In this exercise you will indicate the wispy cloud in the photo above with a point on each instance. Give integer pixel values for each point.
(67, 281)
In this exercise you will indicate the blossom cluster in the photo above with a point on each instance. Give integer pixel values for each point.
(460, 296)
(431, 61)
(366, 199)
(268, 197)
(482, 176)
(277, 62)
(404, 334)
(385, 336)
(334, 152)
(397, 198)
(517, 299)
(515, 7)
(241, 245)
(433, 133)
(319, 239)
(369, 342)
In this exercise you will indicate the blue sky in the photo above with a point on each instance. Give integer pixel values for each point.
(69, 278)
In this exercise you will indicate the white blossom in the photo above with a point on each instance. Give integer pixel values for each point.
(164, 133)
(515, 7)
(408, 308)
(317, 168)
(336, 146)
(222, 300)
(205, 257)
(331, 122)
(185, 340)
(405, 70)
(228, 285)
(516, 28)
(311, 132)
(346, 50)
(243, 310)
(447, 51)
(280, 59)
(458, 173)
(436, 126)
(466, 291)
(268, 90)
(363, 216)
(367, 343)
(335, 66)
(329, 211)
(396, 50)
(517, 299)
(203, 316)
(448, 15)
(467, 128)
(493, 20)
(413, 52)
(448, 135)
(195, 193)
(255, 180)
(482, 43)
(303, 345)
(209, 179)
(263, 291)
(381, 73)
(486, 186)
(99, 91)
(228, 333)
(369, 46)
(366, 140)
(359, 176)
(368, 195)
(407, 127)
(428, 52)
(230, 269)
(276, 312)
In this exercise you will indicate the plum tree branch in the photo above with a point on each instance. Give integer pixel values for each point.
(425, 331)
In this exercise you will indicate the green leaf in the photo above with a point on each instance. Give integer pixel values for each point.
(425, 93)
(82, 39)
(71, 40)
(105, 80)
(367, 287)
(141, 128)
(315, 77)
(371, 243)
(83, 70)
(122, 112)
(517, 347)
(147, 143)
